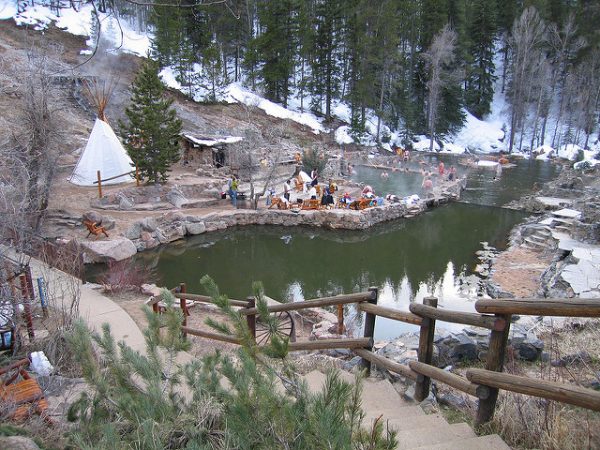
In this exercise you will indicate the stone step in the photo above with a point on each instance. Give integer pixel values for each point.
(556, 220)
(199, 203)
(563, 229)
(410, 422)
(376, 395)
(531, 247)
(489, 442)
(408, 439)
(535, 243)
(539, 238)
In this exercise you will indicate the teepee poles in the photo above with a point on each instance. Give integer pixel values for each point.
(99, 93)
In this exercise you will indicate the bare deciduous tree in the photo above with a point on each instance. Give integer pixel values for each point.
(565, 44)
(29, 151)
(528, 37)
(438, 58)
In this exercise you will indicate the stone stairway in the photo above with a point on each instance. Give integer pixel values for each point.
(415, 429)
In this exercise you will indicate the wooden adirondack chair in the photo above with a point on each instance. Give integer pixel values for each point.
(20, 395)
(94, 229)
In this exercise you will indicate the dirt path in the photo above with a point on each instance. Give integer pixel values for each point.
(518, 271)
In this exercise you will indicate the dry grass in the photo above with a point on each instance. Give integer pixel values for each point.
(530, 422)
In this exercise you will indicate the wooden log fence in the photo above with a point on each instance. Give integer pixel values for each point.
(369, 331)
(449, 378)
(494, 315)
(425, 354)
(560, 392)
(477, 320)
(385, 363)
(572, 307)
(390, 313)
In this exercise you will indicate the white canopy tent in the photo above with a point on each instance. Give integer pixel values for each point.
(105, 153)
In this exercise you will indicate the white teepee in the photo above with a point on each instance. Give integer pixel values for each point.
(105, 153)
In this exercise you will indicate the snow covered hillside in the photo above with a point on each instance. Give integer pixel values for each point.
(111, 33)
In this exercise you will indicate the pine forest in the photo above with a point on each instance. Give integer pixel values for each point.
(417, 65)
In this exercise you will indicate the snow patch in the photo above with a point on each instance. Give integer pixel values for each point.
(235, 93)
(342, 135)
(479, 135)
(423, 143)
(450, 147)
(116, 31)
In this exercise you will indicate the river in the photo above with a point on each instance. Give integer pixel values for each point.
(407, 259)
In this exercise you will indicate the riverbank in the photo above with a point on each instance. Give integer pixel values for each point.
(143, 218)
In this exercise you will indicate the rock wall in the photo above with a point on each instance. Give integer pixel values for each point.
(176, 224)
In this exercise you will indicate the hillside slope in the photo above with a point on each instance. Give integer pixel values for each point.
(74, 112)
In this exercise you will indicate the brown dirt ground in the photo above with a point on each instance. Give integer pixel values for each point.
(518, 271)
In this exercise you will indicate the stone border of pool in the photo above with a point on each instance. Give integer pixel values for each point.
(174, 225)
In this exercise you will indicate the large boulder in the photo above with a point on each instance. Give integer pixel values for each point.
(93, 216)
(149, 224)
(108, 250)
(176, 197)
(125, 203)
(195, 228)
(134, 231)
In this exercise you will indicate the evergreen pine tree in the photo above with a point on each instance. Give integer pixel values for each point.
(480, 73)
(152, 130)
(326, 70)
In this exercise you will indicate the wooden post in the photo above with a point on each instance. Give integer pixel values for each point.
(27, 306)
(43, 295)
(99, 184)
(137, 175)
(425, 355)
(184, 310)
(370, 329)
(251, 318)
(340, 318)
(494, 361)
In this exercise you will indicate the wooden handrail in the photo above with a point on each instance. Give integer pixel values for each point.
(477, 320)
(207, 299)
(329, 344)
(19, 363)
(209, 335)
(573, 395)
(390, 313)
(315, 303)
(381, 361)
(451, 379)
(562, 307)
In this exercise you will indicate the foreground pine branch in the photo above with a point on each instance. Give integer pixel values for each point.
(249, 401)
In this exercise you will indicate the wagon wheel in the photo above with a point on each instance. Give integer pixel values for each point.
(285, 328)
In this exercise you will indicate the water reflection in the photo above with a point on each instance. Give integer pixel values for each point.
(406, 259)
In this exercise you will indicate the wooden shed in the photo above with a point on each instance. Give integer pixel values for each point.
(206, 149)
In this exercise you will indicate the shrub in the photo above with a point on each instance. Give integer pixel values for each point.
(123, 275)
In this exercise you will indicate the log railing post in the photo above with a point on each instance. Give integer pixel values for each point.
(99, 183)
(340, 318)
(25, 295)
(184, 309)
(251, 318)
(494, 361)
(370, 329)
(425, 354)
